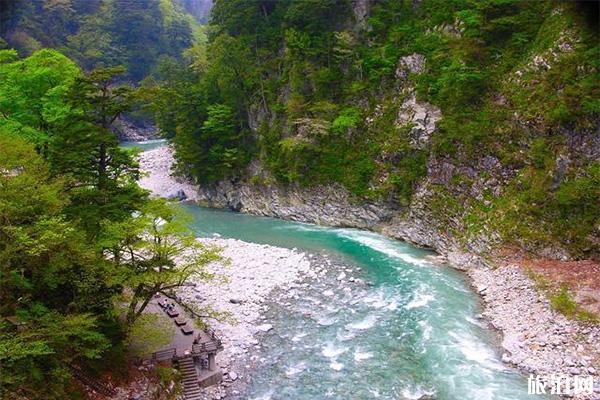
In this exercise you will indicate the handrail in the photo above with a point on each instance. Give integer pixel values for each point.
(164, 354)
(207, 347)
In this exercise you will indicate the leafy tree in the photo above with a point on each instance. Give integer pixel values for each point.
(84, 147)
(101, 33)
(69, 116)
(154, 252)
(32, 90)
(219, 140)
(51, 281)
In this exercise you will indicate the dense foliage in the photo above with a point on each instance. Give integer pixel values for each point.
(82, 248)
(315, 87)
(95, 33)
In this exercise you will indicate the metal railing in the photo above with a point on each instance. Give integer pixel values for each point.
(162, 355)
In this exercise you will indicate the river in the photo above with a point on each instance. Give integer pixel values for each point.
(411, 333)
(145, 144)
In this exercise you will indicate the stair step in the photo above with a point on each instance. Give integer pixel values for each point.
(191, 389)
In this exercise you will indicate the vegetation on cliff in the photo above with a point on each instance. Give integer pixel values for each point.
(483, 113)
(333, 91)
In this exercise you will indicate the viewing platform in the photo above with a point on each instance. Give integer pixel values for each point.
(191, 349)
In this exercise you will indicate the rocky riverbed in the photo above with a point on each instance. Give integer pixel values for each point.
(536, 339)
(245, 277)
(250, 271)
(157, 166)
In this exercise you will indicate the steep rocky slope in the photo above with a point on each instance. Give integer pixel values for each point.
(460, 126)
(471, 129)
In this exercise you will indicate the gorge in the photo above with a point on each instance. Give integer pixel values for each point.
(331, 323)
(348, 199)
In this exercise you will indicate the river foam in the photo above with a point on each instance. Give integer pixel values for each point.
(421, 298)
(332, 351)
(381, 244)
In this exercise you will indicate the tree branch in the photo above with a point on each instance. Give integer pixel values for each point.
(186, 307)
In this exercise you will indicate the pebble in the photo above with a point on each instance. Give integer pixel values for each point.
(539, 340)
(264, 327)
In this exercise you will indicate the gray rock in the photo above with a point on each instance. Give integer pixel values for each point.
(264, 327)
(414, 63)
(421, 117)
(179, 195)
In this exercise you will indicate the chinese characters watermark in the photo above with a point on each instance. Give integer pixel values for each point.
(560, 384)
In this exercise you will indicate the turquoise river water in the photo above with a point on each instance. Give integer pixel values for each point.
(144, 145)
(412, 333)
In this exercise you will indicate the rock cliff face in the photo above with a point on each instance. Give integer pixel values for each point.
(437, 215)
(334, 206)
(129, 131)
(475, 167)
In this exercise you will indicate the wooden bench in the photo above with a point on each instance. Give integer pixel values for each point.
(179, 321)
(172, 313)
(187, 330)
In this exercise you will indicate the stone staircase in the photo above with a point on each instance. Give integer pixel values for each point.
(191, 389)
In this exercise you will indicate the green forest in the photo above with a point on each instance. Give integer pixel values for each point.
(310, 90)
(83, 248)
